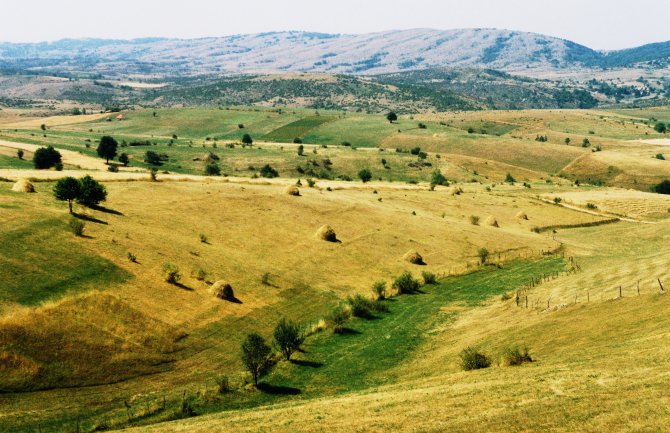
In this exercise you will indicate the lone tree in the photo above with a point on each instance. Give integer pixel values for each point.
(46, 157)
(107, 148)
(301, 150)
(19, 153)
(567, 140)
(661, 128)
(391, 117)
(365, 175)
(246, 139)
(123, 159)
(67, 188)
(153, 158)
(255, 355)
(288, 337)
(91, 192)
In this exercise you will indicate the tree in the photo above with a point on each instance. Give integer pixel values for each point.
(255, 355)
(288, 337)
(661, 128)
(91, 192)
(438, 178)
(43, 127)
(46, 157)
(67, 188)
(391, 117)
(586, 142)
(509, 178)
(19, 153)
(246, 139)
(212, 169)
(365, 175)
(483, 254)
(301, 150)
(662, 188)
(123, 159)
(151, 157)
(107, 148)
(567, 141)
(268, 171)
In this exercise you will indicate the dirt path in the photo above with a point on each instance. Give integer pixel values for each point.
(70, 157)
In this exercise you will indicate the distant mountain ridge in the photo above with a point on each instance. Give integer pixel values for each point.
(294, 51)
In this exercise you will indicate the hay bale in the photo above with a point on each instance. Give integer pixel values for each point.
(522, 215)
(222, 290)
(293, 190)
(326, 233)
(491, 221)
(23, 185)
(413, 257)
(455, 190)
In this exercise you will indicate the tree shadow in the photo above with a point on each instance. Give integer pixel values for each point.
(277, 390)
(105, 210)
(88, 218)
(349, 331)
(305, 363)
(233, 299)
(183, 286)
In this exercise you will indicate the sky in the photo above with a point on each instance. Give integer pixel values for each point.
(597, 24)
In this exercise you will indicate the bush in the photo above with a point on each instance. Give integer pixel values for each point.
(301, 150)
(19, 153)
(46, 157)
(199, 274)
(297, 140)
(406, 283)
(337, 318)
(152, 174)
(474, 220)
(171, 273)
(212, 169)
(557, 200)
(76, 227)
(288, 337)
(268, 171)
(246, 139)
(223, 385)
(132, 257)
(310, 182)
(509, 178)
(437, 178)
(591, 206)
(365, 175)
(662, 188)
(471, 359)
(379, 290)
(429, 278)
(123, 159)
(516, 356)
(151, 157)
(113, 168)
(483, 254)
(91, 192)
(361, 306)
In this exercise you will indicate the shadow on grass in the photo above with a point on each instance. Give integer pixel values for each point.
(105, 210)
(348, 331)
(88, 218)
(305, 363)
(182, 286)
(234, 300)
(277, 390)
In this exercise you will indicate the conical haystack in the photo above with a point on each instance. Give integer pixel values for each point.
(413, 257)
(293, 190)
(522, 215)
(23, 185)
(326, 233)
(455, 190)
(491, 221)
(222, 290)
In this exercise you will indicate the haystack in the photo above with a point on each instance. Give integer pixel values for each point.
(293, 190)
(23, 185)
(222, 290)
(326, 233)
(522, 215)
(413, 257)
(455, 190)
(491, 221)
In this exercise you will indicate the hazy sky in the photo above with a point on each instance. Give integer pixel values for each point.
(599, 24)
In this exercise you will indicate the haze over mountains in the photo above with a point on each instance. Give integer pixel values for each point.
(277, 52)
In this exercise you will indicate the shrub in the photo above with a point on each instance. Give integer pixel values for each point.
(199, 274)
(297, 140)
(246, 139)
(223, 385)
(516, 356)
(662, 188)
(415, 151)
(268, 171)
(429, 278)
(113, 168)
(361, 306)
(152, 174)
(337, 318)
(91, 192)
(379, 289)
(311, 182)
(203, 238)
(406, 283)
(471, 359)
(483, 254)
(437, 178)
(76, 227)
(557, 200)
(301, 150)
(265, 279)
(212, 169)
(19, 153)
(505, 297)
(288, 337)
(132, 257)
(365, 175)
(171, 273)
(46, 157)
(509, 178)
(474, 220)
(151, 157)
(255, 355)
(658, 156)
(422, 125)
(591, 206)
